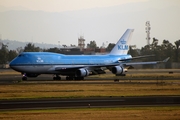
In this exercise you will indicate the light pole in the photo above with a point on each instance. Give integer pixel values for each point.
(59, 44)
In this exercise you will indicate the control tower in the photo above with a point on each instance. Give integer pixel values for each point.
(81, 43)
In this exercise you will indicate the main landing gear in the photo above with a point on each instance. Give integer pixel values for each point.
(56, 77)
(74, 78)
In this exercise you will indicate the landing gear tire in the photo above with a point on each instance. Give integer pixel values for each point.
(116, 80)
(24, 78)
(79, 78)
(74, 78)
(69, 78)
(56, 78)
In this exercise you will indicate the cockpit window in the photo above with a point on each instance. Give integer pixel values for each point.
(20, 55)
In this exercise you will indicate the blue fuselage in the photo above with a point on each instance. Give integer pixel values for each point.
(46, 62)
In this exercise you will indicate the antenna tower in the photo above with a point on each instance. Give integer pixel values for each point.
(148, 28)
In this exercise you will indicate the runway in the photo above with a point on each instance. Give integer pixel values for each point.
(90, 102)
(163, 74)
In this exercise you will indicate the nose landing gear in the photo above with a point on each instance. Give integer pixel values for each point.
(24, 77)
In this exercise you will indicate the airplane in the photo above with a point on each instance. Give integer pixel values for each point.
(76, 67)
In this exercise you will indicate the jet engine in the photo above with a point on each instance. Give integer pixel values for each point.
(118, 70)
(82, 72)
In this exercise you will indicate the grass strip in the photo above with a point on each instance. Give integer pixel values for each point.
(127, 113)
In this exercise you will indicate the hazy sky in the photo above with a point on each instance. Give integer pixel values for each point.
(99, 20)
(63, 5)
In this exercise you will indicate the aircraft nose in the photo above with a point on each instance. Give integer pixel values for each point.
(12, 63)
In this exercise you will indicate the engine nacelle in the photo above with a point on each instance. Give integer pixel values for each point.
(82, 72)
(118, 70)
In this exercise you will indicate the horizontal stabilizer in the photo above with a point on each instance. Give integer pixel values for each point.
(138, 57)
(166, 59)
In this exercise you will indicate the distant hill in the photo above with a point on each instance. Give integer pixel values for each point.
(13, 44)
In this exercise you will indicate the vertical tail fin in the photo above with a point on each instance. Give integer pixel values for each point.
(122, 46)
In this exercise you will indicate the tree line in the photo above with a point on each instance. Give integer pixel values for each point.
(162, 51)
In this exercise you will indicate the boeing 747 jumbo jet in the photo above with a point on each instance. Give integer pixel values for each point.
(76, 67)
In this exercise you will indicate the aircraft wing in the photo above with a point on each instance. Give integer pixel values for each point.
(145, 63)
(73, 67)
(85, 66)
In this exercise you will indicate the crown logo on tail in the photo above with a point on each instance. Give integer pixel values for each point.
(123, 41)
